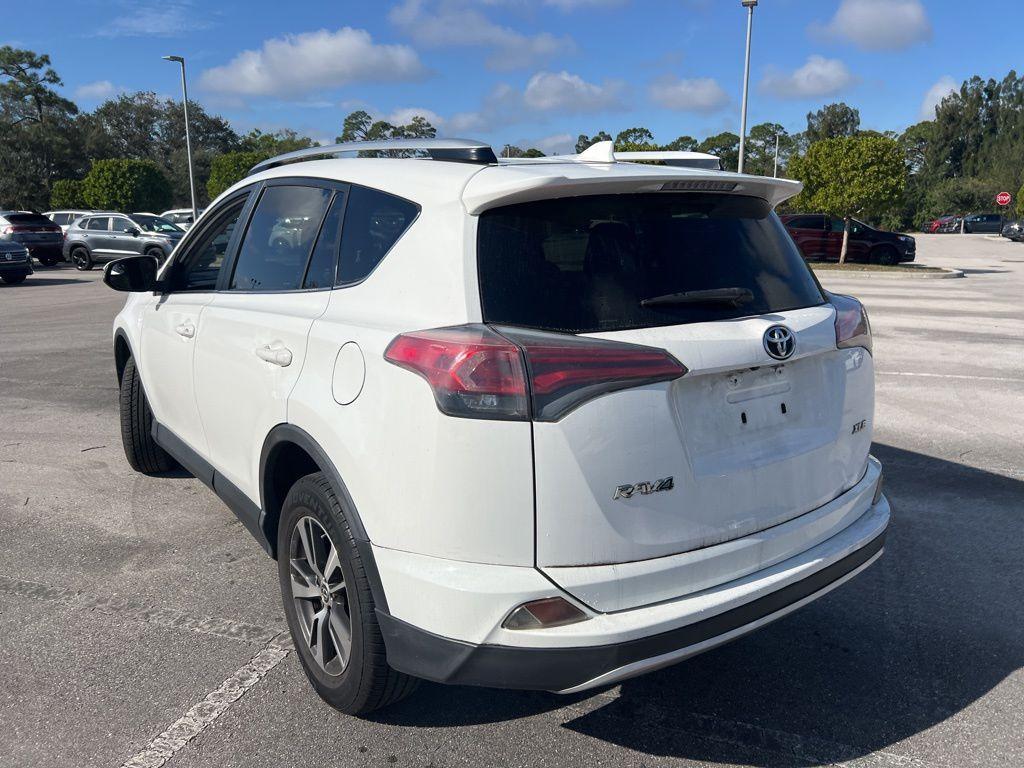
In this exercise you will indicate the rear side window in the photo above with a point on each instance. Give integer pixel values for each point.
(585, 264)
(805, 222)
(373, 223)
(61, 218)
(280, 238)
(98, 224)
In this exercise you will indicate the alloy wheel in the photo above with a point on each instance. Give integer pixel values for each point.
(320, 596)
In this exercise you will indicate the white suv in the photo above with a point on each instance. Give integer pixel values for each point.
(539, 425)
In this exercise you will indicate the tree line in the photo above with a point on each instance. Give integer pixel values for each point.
(129, 152)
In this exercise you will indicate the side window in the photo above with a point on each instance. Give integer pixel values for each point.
(838, 225)
(120, 224)
(320, 273)
(373, 223)
(280, 238)
(61, 218)
(198, 268)
(98, 223)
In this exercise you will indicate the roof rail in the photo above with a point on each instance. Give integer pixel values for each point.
(452, 150)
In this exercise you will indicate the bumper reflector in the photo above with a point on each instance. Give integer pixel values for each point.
(543, 614)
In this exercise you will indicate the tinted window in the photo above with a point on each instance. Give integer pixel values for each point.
(98, 223)
(373, 223)
(61, 218)
(805, 222)
(320, 273)
(119, 224)
(585, 264)
(154, 223)
(199, 267)
(280, 238)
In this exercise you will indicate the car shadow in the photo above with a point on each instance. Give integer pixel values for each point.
(34, 282)
(914, 640)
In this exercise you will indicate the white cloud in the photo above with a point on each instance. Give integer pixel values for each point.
(945, 86)
(701, 94)
(454, 23)
(100, 90)
(169, 18)
(878, 25)
(818, 77)
(298, 64)
(404, 116)
(570, 94)
(558, 144)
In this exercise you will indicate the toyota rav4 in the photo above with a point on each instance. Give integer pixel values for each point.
(543, 424)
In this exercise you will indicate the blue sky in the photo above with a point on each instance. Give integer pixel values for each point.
(530, 72)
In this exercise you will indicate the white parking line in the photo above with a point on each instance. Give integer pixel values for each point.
(950, 376)
(199, 717)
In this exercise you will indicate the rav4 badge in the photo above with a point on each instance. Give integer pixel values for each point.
(644, 489)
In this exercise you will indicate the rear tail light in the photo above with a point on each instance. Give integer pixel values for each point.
(513, 374)
(852, 326)
(474, 372)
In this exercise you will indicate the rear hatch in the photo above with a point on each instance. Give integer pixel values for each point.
(743, 441)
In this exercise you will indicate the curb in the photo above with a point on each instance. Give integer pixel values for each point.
(946, 274)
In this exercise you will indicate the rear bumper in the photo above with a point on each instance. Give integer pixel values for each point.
(574, 658)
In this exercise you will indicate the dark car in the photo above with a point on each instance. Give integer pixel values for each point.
(103, 237)
(15, 262)
(977, 223)
(820, 238)
(1014, 230)
(41, 236)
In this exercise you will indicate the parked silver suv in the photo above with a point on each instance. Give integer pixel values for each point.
(110, 236)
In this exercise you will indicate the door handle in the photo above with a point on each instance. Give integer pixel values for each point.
(185, 329)
(275, 355)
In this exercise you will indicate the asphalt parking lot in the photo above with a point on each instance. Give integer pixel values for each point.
(139, 619)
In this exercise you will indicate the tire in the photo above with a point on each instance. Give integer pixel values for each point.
(82, 259)
(157, 253)
(48, 261)
(886, 255)
(141, 450)
(14, 279)
(357, 680)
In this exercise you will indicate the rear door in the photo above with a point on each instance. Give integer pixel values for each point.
(740, 443)
(253, 344)
(99, 236)
(809, 234)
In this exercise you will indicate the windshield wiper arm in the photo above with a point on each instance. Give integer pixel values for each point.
(734, 296)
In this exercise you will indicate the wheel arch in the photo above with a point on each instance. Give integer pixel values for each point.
(289, 452)
(122, 351)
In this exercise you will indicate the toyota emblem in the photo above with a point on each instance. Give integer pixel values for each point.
(779, 342)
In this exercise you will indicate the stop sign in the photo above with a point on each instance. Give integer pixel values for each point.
(1004, 198)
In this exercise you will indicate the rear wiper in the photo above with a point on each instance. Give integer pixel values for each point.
(734, 296)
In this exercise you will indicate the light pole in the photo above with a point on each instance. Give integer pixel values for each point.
(188, 138)
(749, 5)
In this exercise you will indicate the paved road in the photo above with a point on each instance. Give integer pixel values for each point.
(126, 601)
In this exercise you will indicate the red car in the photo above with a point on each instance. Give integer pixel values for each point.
(820, 238)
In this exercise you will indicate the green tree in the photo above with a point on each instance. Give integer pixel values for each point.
(682, 144)
(67, 193)
(635, 140)
(585, 142)
(831, 122)
(38, 134)
(360, 126)
(510, 150)
(127, 185)
(725, 146)
(851, 175)
(228, 169)
(1019, 204)
(760, 158)
(961, 196)
(276, 143)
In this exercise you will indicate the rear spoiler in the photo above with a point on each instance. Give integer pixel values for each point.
(604, 152)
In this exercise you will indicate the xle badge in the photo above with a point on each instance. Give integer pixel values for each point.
(859, 426)
(644, 489)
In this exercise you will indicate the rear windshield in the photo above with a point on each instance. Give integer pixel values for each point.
(585, 264)
(28, 219)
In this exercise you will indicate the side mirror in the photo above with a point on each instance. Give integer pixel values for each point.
(134, 231)
(133, 274)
